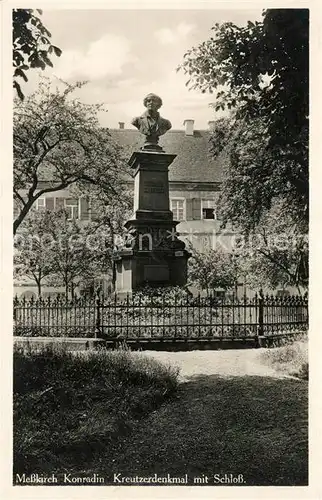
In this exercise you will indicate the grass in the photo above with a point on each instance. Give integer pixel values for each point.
(290, 359)
(70, 408)
(255, 426)
(103, 414)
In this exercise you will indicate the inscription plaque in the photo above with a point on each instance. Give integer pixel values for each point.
(153, 187)
(156, 273)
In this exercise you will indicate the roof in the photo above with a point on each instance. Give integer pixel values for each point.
(193, 163)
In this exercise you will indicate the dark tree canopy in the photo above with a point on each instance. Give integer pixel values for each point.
(31, 45)
(238, 58)
(261, 73)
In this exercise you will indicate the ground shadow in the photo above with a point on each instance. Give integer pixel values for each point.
(251, 425)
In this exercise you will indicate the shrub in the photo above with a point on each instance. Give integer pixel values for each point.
(68, 406)
(28, 331)
(291, 358)
(303, 372)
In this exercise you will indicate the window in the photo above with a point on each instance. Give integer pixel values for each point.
(72, 208)
(71, 205)
(178, 207)
(40, 204)
(208, 209)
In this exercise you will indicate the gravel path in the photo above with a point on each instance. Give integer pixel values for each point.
(235, 362)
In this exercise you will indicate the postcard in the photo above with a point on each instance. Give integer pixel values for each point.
(158, 285)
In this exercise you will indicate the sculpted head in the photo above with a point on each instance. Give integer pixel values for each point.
(152, 102)
(151, 124)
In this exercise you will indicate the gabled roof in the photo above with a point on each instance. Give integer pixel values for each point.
(194, 162)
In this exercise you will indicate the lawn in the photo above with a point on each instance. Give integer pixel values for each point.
(126, 414)
(69, 409)
(255, 426)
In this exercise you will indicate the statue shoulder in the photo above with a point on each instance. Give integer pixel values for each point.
(136, 121)
(166, 123)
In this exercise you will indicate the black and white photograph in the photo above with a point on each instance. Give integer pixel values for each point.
(160, 247)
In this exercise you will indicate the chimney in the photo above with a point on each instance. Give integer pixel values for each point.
(211, 124)
(188, 126)
(121, 125)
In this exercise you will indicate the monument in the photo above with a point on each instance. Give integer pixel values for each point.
(152, 253)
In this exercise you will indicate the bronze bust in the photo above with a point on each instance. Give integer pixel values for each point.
(151, 124)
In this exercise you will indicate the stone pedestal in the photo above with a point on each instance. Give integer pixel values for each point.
(153, 254)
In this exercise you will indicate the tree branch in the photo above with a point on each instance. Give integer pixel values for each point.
(59, 187)
(33, 186)
(87, 178)
(278, 263)
(20, 198)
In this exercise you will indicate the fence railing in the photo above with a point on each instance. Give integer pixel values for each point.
(157, 317)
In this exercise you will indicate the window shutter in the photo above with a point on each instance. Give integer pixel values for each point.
(196, 208)
(188, 209)
(93, 210)
(84, 208)
(50, 203)
(60, 203)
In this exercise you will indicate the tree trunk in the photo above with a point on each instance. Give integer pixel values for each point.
(66, 281)
(22, 215)
(39, 287)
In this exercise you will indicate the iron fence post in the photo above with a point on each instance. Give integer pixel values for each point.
(98, 317)
(15, 307)
(260, 315)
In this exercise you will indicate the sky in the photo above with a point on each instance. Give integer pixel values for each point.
(125, 54)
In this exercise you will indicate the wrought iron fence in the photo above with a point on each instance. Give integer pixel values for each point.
(136, 317)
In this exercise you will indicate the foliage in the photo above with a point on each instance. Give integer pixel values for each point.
(69, 408)
(42, 247)
(260, 73)
(276, 254)
(33, 259)
(291, 358)
(213, 269)
(78, 252)
(31, 45)
(61, 252)
(272, 268)
(303, 371)
(260, 68)
(58, 143)
(257, 177)
(160, 295)
(108, 216)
